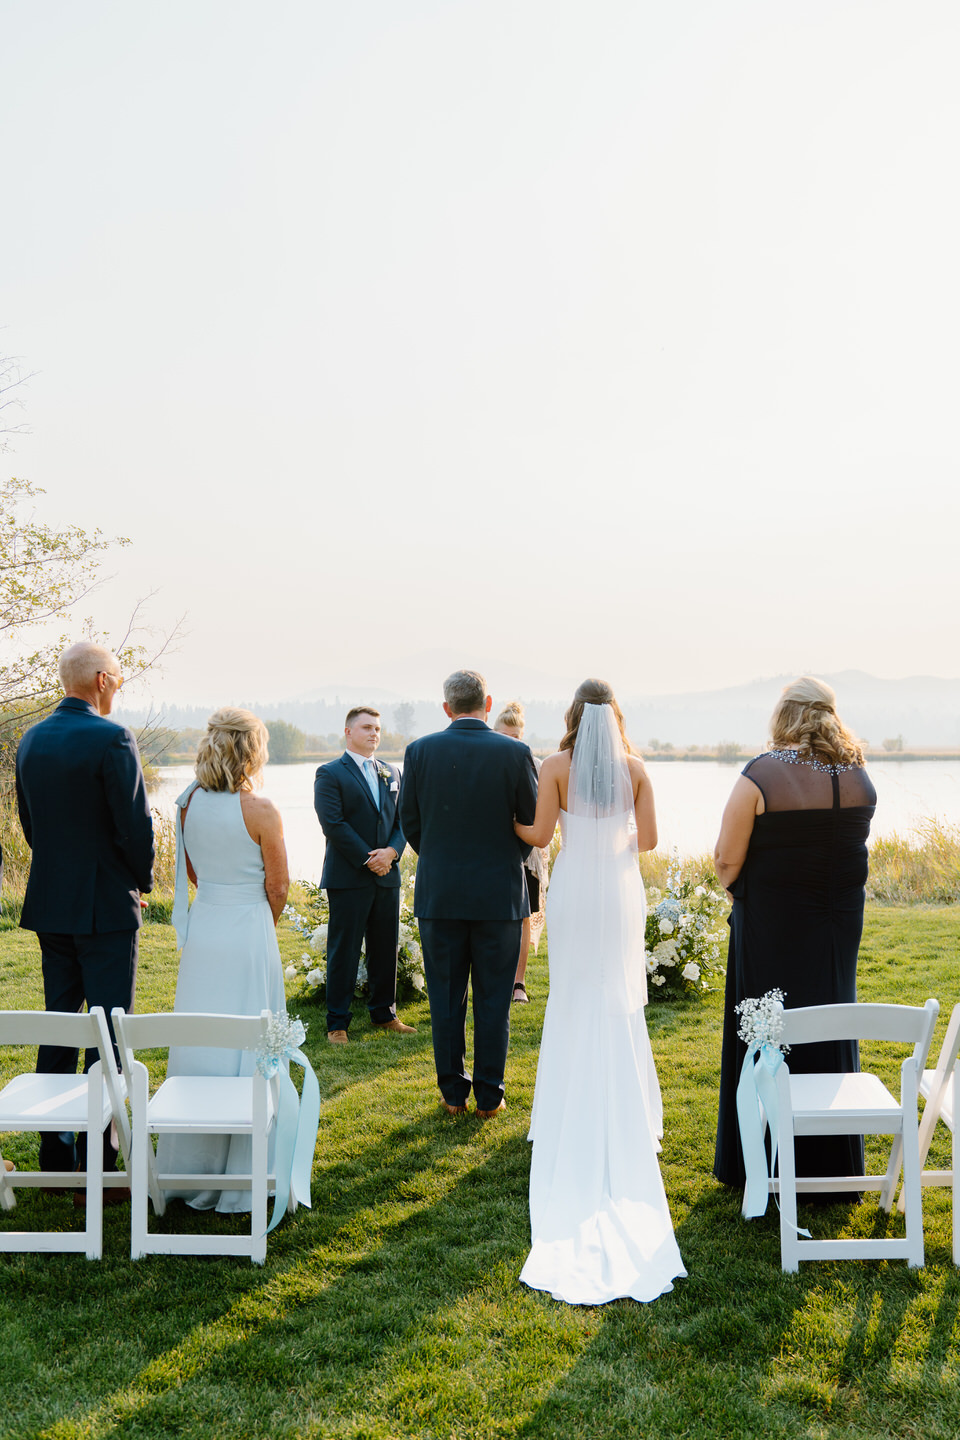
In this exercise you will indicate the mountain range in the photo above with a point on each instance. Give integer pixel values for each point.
(924, 710)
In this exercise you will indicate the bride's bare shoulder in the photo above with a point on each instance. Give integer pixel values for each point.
(556, 765)
(638, 771)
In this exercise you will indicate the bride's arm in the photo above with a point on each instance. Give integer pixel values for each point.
(540, 833)
(644, 808)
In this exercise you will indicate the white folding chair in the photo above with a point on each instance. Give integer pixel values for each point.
(853, 1103)
(939, 1091)
(31, 1102)
(196, 1105)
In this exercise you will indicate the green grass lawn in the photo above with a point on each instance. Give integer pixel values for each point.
(392, 1308)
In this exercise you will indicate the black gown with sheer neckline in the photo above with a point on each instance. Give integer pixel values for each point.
(796, 923)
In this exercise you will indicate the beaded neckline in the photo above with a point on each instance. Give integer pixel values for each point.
(792, 757)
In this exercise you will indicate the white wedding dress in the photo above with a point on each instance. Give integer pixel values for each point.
(599, 1219)
(230, 965)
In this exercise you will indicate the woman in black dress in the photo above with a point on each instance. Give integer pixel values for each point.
(793, 854)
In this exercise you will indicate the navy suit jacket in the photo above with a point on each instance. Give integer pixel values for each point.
(353, 826)
(460, 792)
(85, 814)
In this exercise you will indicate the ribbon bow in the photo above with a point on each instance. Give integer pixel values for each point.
(298, 1118)
(756, 1097)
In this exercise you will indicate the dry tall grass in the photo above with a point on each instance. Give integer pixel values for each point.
(16, 861)
(920, 868)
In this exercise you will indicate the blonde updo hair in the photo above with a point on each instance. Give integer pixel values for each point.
(233, 752)
(806, 719)
(511, 717)
(592, 692)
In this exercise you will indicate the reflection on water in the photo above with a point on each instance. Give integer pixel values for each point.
(690, 801)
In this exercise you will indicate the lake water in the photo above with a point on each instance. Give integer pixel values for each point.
(690, 800)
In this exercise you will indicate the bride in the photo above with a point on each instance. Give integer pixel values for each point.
(600, 1223)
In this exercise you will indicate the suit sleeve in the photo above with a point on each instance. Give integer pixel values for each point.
(396, 835)
(328, 803)
(526, 797)
(409, 807)
(126, 795)
(26, 824)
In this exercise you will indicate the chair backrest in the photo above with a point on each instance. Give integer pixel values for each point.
(50, 1027)
(948, 1053)
(907, 1024)
(159, 1031)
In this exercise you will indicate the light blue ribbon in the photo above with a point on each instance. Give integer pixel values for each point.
(758, 1087)
(298, 1120)
(181, 896)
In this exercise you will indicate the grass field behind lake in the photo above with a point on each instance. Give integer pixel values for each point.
(393, 1308)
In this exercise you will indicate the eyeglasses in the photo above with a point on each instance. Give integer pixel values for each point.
(117, 679)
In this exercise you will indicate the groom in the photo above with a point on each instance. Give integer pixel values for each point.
(355, 798)
(460, 792)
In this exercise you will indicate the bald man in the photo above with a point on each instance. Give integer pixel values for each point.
(84, 811)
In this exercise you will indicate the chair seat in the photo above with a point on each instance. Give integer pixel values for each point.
(215, 1105)
(47, 1102)
(826, 1104)
(946, 1105)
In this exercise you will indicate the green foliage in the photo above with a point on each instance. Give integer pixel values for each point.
(287, 742)
(727, 752)
(44, 572)
(392, 1309)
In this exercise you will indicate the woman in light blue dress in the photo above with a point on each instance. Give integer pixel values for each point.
(230, 844)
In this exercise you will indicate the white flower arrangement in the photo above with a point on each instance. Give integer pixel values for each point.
(313, 928)
(285, 1034)
(683, 935)
(761, 1022)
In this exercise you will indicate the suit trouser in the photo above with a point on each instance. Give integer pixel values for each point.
(454, 951)
(371, 914)
(98, 969)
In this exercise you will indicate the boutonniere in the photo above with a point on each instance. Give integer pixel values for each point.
(383, 772)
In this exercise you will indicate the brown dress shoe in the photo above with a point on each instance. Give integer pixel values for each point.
(397, 1026)
(489, 1114)
(337, 1037)
(453, 1109)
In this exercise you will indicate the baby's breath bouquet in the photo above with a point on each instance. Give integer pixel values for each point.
(313, 928)
(761, 1021)
(683, 938)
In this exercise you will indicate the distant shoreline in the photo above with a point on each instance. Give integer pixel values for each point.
(874, 757)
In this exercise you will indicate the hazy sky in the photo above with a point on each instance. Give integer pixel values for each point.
(597, 336)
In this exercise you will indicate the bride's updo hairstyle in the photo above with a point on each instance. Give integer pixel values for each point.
(592, 692)
(806, 720)
(233, 752)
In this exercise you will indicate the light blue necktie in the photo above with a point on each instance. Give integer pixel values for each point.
(370, 771)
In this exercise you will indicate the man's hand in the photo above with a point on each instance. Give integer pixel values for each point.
(381, 861)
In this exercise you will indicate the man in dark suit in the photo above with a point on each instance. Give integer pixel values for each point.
(461, 790)
(85, 814)
(355, 798)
